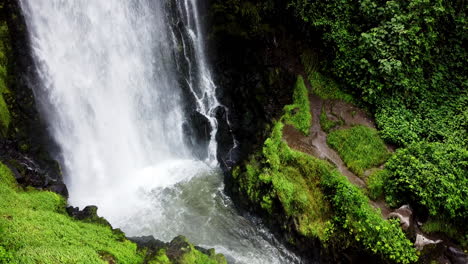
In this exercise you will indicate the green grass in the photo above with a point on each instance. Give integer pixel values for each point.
(360, 147)
(286, 181)
(328, 124)
(298, 113)
(327, 88)
(35, 229)
(363, 223)
(376, 183)
(320, 201)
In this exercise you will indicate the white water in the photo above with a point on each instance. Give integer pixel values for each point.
(111, 96)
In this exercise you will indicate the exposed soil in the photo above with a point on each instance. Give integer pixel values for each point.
(316, 143)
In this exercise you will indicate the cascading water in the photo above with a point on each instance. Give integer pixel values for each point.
(113, 97)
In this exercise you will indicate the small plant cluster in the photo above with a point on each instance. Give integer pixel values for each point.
(298, 113)
(328, 124)
(360, 147)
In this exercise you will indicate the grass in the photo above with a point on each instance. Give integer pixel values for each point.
(298, 113)
(321, 201)
(360, 147)
(328, 124)
(35, 229)
(357, 217)
(4, 113)
(327, 88)
(376, 184)
(287, 181)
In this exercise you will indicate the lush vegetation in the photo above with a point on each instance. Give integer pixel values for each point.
(320, 201)
(360, 147)
(357, 217)
(376, 183)
(298, 113)
(4, 113)
(432, 175)
(34, 228)
(326, 88)
(286, 181)
(408, 61)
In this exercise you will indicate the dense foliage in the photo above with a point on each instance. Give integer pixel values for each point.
(408, 61)
(433, 175)
(320, 201)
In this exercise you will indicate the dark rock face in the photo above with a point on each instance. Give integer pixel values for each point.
(197, 131)
(27, 145)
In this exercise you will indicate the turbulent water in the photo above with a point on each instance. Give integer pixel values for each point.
(112, 91)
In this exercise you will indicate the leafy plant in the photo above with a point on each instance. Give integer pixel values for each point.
(433, 176)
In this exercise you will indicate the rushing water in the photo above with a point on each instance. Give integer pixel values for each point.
(112, 94)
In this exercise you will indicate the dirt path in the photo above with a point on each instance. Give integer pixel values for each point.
(316, 143)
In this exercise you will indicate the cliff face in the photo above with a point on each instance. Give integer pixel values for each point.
(24, 143)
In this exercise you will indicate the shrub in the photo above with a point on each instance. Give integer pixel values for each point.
(433, 176)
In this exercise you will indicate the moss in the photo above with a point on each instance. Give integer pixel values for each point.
(181, 251)
(360, 147)
(328, 124)
(160, 258)
(284, 181)
(376, 184)
(327, 88)
(354, 215)
(35, 229)
(293, 187)
(298, 113)
(4, 113)
(438, 225)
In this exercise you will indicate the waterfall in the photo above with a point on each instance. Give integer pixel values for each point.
(120, 83)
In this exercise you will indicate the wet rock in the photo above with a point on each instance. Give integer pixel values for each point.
(59, 188)
(422, 241)
(227, 150)
(178, 250)
(88, 214)
(197, 131)
(404, 214)
(148, 242)
(456, 256)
